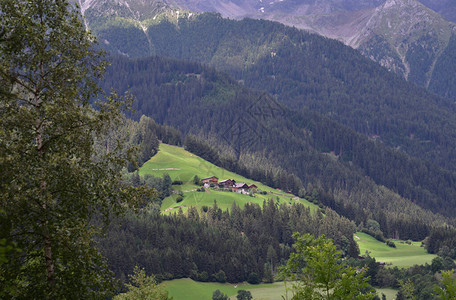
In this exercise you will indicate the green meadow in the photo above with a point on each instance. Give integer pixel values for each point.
(404, 255)
(183, 165)
(187, 289)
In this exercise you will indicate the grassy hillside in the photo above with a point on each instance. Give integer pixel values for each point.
(404, 255)
(183, 165)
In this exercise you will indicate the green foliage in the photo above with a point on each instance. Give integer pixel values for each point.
(442, 264)
(253, 278)
(142, 287)
(244, 295)
(441, 241)
(197, 243)
(56, 191)
(447, 287)
(196, 180)
(319, 272)
(406, 290)
(147, 139)
(218, 295)
(220, 276)
(390, 244)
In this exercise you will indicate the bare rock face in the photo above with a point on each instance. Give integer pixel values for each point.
(130, 9)
(405, 37)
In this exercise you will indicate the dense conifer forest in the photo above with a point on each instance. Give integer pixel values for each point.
(324, 155)
(240, 242)
(308, 71)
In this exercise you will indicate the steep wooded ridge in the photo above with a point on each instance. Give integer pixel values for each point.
(405, 36)
(305, 70)
(322, 153)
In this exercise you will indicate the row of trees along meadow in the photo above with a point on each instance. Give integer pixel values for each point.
(256, 239)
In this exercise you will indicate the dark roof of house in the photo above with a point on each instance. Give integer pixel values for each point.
(241, 185)
(226, 180)
(210, 177)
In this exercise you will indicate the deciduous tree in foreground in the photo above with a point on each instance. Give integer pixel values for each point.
(52, 184)
(143, 287)
(447, 288)
(319, 272)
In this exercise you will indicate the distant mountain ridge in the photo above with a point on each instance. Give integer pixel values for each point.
(404, 36)
(446, 8)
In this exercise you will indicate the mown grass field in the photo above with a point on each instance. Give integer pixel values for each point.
(187, 289)
(183, 165)
(403, 255)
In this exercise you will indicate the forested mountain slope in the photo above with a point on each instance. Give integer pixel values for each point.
(304, 70)
(405, 36)
(250, 128)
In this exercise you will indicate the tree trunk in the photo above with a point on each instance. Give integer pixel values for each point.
(50, 265)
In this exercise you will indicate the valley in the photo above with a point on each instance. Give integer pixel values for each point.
(194, 149)
(183, 166)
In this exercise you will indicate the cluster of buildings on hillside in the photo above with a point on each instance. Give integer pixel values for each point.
(241, 187)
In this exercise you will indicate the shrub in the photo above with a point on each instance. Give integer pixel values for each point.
(179, 199)
(203, 276)
(253, 278)
(177, 182)
(378, 235)
(220, 276)
(244, 295)
(391, 244)
(196, 180)
(218, 295)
